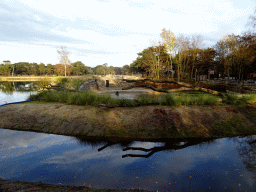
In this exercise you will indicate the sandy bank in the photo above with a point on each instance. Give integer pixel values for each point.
(139, 122)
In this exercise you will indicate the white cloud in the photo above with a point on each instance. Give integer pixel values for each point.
(117, 30)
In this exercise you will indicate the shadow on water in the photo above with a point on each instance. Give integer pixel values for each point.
(166, 145)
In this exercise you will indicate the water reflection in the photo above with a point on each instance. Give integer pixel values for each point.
(10, 87)
(16, 91)
(178, 165)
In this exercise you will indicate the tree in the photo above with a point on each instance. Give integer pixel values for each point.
(63, 57)
(49, 69)
(252, 20)
(9, 63)
(78, 68)
(196, 44)
(151, 60)
(41, 68)
(32, 68)
(117, 70)
(245, 54)
(5, 69)
(125, 69)
(169, 40)
(205, 60)
(182, 46)
(60, 69)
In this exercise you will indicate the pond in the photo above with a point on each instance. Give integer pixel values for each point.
(226, 164)
(15, 91)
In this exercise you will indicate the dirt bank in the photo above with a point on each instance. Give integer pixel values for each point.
(139, 122)
(29, 186)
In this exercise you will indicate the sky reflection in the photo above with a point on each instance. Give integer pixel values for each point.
(49, 158)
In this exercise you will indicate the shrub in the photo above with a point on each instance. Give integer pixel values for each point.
(230, 98)
(44, 82)
(147, 100)
(75, 83)
(168, 99)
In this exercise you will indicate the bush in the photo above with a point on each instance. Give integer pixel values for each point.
(230, 98)
(75, 83)
(147, 100)
(44, 82)
(168, 99)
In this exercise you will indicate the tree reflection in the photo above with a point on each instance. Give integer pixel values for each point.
(167, 145)
(10, 87)
(247, 151)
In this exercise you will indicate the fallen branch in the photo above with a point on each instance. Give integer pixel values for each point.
(106, 105)
(154, 81)
(148, 86)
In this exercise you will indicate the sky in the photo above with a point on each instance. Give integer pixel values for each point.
(110, 31)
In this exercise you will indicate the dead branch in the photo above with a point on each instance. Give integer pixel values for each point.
(106, 105)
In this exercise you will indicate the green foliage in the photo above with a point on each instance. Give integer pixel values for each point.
(92, 98)
(44, 82)
(75, 83)
(168, 99)
(147, 100)
(78, 68)
(61, 80)
(230, 98)
(231, 127)
(210, 83)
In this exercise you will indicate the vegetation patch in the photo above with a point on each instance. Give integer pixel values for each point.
(170, 99)
(232, 127)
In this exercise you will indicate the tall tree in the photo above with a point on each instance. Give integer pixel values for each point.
(125, 69)
(169, 40)
(63, 57)
(78, 68)
(49, 69)
(41, 68)
(60, 69)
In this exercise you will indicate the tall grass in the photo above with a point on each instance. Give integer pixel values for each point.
(232, 98)
(170, 99)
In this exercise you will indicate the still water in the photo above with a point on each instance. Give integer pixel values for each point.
(226, 164)
(15, 91)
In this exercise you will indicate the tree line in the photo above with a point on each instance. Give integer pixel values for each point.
(76, 69)
(186, 57)
(176, 56)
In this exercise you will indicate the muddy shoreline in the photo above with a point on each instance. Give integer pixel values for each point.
(144, 122)
(138, 123)
(10, 186)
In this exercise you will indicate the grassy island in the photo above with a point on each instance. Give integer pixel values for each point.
(181, 115)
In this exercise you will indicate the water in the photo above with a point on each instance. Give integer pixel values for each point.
(219, 165)
(14, 92)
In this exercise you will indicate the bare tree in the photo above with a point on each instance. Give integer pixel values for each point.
(183, 45)
(252, 20)
(63, 57)
(196, 44)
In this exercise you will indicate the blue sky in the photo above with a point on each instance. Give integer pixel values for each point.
(110, 31)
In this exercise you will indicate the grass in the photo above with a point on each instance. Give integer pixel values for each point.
(170, 99)
(232, 98)
(232, 127)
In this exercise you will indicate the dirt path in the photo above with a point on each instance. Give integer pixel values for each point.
(139, 122)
